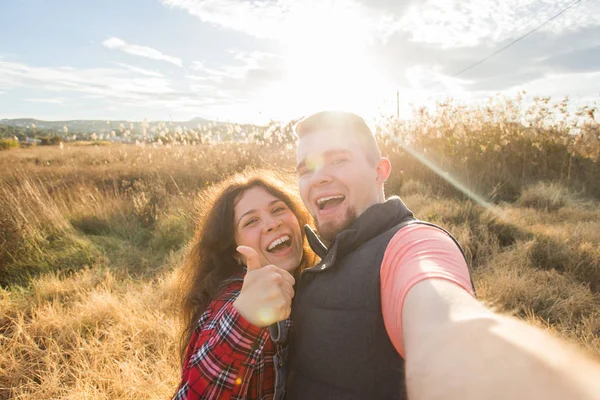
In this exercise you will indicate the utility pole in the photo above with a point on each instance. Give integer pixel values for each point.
(398, 104)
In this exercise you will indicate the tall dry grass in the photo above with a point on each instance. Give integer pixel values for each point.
(91, 238)
(499, 148)
(95, 334)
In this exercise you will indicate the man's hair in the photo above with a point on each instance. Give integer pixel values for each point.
(342, 121)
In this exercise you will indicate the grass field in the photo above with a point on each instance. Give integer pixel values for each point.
(91, 238)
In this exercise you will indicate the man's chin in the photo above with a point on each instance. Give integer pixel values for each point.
(329, 230)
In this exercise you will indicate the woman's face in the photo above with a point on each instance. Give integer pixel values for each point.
(265, 223)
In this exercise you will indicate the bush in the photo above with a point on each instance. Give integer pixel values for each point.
(172, 232)
(580, 261)
(34, 235)
(7, 144)
(415, 187)
(544, 196)
(50, 141)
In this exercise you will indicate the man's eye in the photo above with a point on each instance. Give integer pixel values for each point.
(339, 161)
(308, 170)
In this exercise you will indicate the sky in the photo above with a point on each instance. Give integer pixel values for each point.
(254, 61)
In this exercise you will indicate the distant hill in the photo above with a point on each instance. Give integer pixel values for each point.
(86, 125)
(199, 120)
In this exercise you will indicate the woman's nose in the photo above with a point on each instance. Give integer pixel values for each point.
(272, 223)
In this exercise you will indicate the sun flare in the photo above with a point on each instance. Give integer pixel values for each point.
(327, 65)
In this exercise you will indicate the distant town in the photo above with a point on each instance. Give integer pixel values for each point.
(26, 132)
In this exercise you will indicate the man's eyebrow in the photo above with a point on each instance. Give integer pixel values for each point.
(253, 210)
(327, 154)
(337, 152)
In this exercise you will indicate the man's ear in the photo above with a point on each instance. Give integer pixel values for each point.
(383, 169)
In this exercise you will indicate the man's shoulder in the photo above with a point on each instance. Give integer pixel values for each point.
(414, 231)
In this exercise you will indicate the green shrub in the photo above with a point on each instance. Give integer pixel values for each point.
(172, 232)
(91, 225)
(7, 144)
(50, 141)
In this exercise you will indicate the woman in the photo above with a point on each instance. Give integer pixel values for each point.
(230, 297)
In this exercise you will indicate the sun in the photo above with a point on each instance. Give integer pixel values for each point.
(327, 65)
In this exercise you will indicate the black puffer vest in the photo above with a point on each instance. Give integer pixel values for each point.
(339, 348)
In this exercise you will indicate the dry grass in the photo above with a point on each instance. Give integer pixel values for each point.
(91, 238)
(94, 334)
(544, 196)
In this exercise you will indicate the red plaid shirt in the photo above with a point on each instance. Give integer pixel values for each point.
(228, 357)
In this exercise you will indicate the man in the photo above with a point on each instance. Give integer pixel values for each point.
(390, 312)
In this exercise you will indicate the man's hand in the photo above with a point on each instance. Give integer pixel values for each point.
(267, 291)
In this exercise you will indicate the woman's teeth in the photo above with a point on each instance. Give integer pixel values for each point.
(277, 242)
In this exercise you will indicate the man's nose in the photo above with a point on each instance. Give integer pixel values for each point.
(320, 177)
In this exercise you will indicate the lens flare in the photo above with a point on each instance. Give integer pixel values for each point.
(314, 162)
(266, 316)
(451, 180)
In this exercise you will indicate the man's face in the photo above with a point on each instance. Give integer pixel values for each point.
(337, 182)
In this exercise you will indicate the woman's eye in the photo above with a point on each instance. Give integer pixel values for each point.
(250, 221)
(278, 209)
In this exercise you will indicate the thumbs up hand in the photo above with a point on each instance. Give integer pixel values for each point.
(252, 259)
(267, 291)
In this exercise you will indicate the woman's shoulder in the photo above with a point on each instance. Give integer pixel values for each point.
(230, 288)
(227, 293)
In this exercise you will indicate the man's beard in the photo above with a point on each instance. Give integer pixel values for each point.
(329, 230)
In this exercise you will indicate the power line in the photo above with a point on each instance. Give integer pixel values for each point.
(497, 51)
(514, 41)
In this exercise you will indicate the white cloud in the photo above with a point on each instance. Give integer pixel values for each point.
(285, 20)
(139, 70)
(578, 86)
(460, 23)
(446, 23)
(430, 79)
(142, 51)
(260, 19)
(270, 67)
(108, 83)
(57, 100)
(428, 84)
(125, 89)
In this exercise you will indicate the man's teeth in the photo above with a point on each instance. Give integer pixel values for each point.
(278, 242)
(322, 200)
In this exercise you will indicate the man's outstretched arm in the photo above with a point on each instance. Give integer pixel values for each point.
(456, 348)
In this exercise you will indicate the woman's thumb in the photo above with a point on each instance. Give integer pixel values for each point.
(252, 259)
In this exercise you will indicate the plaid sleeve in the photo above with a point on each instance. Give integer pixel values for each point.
(222, 352)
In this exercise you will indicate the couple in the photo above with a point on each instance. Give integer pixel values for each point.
(387, 312)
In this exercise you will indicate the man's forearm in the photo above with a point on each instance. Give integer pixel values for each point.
(476, 354)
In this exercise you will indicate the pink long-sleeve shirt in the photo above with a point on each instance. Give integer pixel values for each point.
(415, 253)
